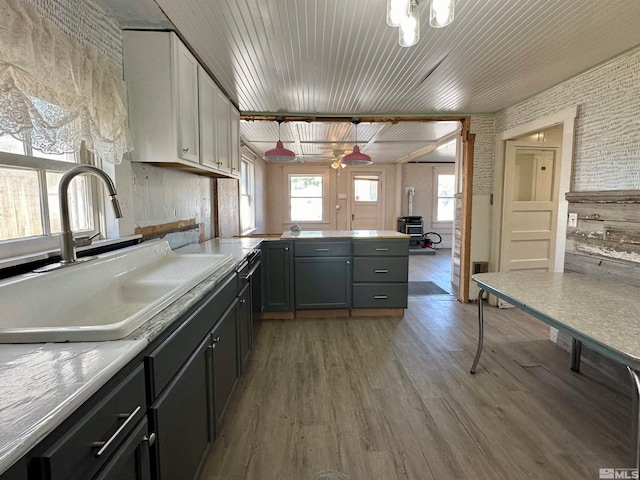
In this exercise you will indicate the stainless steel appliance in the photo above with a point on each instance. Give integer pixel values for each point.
(413, 226)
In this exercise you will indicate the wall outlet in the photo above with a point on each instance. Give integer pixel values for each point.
(573, 220)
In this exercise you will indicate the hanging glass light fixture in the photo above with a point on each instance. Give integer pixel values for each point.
(397, 10)
(356, 157)
(441, 13)
(409, 32)
(279, 154)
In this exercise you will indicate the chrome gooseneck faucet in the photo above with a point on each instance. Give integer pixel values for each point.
(67, 243)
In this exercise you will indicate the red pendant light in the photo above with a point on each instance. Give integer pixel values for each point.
(356, 157)
(279, 154)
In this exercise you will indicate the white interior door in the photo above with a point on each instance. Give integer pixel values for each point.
(531, 181)
(367, 199)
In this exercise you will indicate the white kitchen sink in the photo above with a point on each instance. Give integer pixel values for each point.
(103, 299)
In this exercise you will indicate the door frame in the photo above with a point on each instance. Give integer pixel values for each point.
(381, 195)
(566, 118)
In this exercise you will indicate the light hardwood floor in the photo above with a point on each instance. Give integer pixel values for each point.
(390, 398)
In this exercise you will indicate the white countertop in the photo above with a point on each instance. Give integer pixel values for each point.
(342, 234)
(42, 384)
(594, 309)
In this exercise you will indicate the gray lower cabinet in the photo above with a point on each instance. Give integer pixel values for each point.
(322, 274)
(245, 326)
(179, 418)
(277, 276)
(224, 343)
(322, 282)
(380, 273)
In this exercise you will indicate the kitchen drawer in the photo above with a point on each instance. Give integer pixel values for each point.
(86, 447)
(380, 295)
(389, 248)
(385, 269)
(322, 249)
(165, 361)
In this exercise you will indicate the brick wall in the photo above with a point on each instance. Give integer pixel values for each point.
(607, 141)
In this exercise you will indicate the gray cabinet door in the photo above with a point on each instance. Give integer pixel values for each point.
(322, 282)
(179, 417)
(244, 326)
(225, 361)
(277, 276)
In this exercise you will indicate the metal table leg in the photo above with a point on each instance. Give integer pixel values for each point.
(576, 349)
(635, 421)
(480, 332)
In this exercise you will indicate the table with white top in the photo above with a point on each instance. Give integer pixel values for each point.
(601, 313)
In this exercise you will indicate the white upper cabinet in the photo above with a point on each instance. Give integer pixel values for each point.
(178, 116)
(208, 132)
(223, 127)
(235, 140)
(188, 142)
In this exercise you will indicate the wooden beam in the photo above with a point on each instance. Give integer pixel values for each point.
(468, 141)
(271, 117)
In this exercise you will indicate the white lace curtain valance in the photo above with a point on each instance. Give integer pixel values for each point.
(58, 90)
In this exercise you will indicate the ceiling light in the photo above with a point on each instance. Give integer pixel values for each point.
(397, 10)
(409, 32)
(441, 13)
(279, 154)
(356, 157)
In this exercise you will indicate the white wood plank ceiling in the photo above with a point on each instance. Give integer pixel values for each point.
(339, 57)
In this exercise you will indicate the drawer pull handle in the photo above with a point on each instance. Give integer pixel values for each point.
(380, 297)
(381, 271)
(322, 249)
(382, 249)
(242, 300)
(104, 445)
(150, 439)
(185, 149)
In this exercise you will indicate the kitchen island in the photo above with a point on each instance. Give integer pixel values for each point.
(336, 272)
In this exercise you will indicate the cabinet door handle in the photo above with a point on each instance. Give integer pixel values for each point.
(104, 445)
(381, 271)
(382, 249)
(322, 249)
(286, 249)
(216, 340)
(185, 149)
(380, 297)
(150, 439)
(242, 300)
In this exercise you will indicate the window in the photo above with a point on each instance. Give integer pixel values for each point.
(444, 190)
(247, 207)
(29, 204)
(365, 188)
(306, 193)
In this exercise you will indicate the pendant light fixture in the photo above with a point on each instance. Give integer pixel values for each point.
(441, 13)
(397, 10)
(279, 154)
(409, 31)
(356, 157)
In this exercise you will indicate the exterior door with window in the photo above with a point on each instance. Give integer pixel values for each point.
(367, 197)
